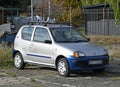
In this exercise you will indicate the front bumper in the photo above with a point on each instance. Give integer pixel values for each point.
(84, 63)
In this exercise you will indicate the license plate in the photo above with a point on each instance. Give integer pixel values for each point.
(95, 62)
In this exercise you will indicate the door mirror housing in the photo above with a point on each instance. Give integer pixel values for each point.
(48, 41)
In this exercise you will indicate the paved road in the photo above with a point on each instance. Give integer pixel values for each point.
(34, 76)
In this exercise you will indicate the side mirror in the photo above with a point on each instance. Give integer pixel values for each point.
(48, 41)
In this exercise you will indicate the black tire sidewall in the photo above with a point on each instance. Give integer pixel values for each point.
(22, 62)
(67, 73)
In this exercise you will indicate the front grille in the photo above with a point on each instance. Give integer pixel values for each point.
(85, 64)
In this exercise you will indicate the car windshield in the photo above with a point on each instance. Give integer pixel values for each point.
(67, 35)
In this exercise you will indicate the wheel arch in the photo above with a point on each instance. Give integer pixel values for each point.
(14, 52)
(58, 58)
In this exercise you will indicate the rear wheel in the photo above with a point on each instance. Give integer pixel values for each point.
(18, 61)
(63, 67)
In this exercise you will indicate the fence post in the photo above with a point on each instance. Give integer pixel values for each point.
(2, 15)
(108, 21)
(103, 22)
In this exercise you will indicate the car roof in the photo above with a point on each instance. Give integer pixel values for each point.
(46, 24)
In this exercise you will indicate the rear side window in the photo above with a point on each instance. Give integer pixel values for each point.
(27, 33)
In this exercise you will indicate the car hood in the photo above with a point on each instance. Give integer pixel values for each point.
(89, 49)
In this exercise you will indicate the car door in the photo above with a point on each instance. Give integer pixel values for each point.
(41, 47)
(24, 43)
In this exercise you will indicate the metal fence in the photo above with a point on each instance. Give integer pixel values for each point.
(100, 21)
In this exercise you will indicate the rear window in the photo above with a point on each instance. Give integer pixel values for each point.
(27, 33)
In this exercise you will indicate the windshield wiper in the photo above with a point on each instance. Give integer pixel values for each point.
(63, 41)
(70, 41)
(81, 41)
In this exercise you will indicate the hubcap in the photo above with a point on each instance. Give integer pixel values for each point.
(17, 61)
(61, 67)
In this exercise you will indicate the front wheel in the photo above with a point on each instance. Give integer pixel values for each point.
(18, 61)
(63, 67)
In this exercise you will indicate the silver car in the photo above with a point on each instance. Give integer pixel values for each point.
(58, 46)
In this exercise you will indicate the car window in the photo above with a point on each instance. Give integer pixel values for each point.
(27, 33)
(41, 35)
(66, 34)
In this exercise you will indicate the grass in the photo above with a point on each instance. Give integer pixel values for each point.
(2, 75)
(39, 86)
(115, 78)
(115, 53)
(11, 74)
(105, 40)
(6, 60)
(33, 80)
(111, 43)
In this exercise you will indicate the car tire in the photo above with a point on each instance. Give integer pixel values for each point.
(99, 70)
(18, 61)
(63, 67)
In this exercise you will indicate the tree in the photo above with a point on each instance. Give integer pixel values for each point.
(115, 5)
(70, 11)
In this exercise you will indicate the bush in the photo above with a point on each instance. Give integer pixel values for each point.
(5, 56)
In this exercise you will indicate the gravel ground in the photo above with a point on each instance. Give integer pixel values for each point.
(36, 76)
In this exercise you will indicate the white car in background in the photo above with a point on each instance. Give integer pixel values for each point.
(58, 46)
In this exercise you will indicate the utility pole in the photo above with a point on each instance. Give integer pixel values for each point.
(70, 15)
(49, 8)
(42, 9)
(31, 10)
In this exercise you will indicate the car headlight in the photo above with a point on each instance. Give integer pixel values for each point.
(78, 54)
(105, 52)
